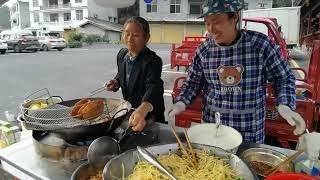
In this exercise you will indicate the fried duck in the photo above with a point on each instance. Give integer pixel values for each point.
(88, 110)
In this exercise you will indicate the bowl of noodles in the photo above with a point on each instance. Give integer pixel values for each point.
(87, 171)
(213, 163)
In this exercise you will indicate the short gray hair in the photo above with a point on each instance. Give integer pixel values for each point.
(141, 22)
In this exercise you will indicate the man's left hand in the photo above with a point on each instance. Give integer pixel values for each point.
(293, 118)
(137, 120)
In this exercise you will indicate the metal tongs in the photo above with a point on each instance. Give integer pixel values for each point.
(151, 159)
(218, 121)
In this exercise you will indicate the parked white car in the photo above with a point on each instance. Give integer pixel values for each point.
(51, 42)
(3, 46)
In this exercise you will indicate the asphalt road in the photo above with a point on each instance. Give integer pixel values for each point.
(71, 73)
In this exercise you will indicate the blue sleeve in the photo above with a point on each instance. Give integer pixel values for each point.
(191, 86)
(279, 73)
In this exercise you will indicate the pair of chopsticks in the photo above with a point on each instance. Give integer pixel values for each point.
(97, 91)
(193, 158)
(288, 160)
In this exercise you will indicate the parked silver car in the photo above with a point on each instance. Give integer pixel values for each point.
(51, 42)
(3, 46)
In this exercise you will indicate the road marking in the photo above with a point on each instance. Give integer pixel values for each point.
(164, 66)
(168, 91)
(175, 72)
(295, 64)
(167, 94)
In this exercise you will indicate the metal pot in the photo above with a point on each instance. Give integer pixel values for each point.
(85, 170)
(93, 131)
(123, 165)
(258, 157)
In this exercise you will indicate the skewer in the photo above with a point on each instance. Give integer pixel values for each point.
(97, 91)
(182, 147)
(190, 147)
(288, 160)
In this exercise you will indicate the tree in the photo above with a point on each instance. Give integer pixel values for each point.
(281, 3)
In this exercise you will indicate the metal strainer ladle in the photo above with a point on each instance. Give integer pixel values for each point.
(105, 147)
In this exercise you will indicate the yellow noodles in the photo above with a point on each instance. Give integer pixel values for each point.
(97, 176)
(209, 167)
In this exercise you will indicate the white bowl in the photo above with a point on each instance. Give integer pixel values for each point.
(226, 138)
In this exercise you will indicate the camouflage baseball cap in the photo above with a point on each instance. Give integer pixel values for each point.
(220, 6)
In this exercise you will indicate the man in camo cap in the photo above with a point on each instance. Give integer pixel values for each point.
(232, 67)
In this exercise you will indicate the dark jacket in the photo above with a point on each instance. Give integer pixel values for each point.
(145, 83)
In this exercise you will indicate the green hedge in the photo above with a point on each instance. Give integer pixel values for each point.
(75, 44)
(76, 40)
(74, 36)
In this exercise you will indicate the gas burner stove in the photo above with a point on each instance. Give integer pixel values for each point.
(53, 147)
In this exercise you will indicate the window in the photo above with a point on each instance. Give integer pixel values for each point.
(53, 3)
(246, 6)
(152, 7)
(67, 16)
(35, 3)
(261, 5)
(36, 17)
(54, 17)
(175, 6)
(79, 14)
(195, 9)
(66, 1)
(78, 1)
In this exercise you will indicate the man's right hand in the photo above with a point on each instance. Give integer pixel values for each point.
(112, 85)
(177, 108)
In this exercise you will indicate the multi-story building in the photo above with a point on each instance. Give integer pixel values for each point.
(19, 14)
(257, 4)
(57, 15)
(4, 18)
(172, 20)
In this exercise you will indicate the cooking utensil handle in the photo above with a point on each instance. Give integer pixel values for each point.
(218, 121)
(150, 158)
(127, 131)
(113, 117)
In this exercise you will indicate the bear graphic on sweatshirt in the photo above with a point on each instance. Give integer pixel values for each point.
(230, 75)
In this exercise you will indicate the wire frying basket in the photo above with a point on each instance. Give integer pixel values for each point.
(58, 116)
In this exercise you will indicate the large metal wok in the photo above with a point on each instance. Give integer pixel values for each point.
(123, 165)
(120, 109)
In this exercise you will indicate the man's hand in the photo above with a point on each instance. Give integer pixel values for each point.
(112, 85)
(293, 118)
(310, 142)
(177, 108)
(137, 119)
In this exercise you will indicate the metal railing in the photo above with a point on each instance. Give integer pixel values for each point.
(55, 6)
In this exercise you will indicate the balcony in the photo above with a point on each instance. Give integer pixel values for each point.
(56, 7)
(54, 23)
(57, 23)
(67, 23)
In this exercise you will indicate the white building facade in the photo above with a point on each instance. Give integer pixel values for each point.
(19, 14)
(159, 10)
(57, 15)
